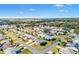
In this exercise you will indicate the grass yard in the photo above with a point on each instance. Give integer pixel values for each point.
(1, 52)
(55, 50)
(40, 48)
(26, 51)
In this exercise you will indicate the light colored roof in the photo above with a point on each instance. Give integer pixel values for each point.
(9, 51)
(48, 37)
(62, 39)
(73, 48)
(1, 35)
(45, 36)
(65, 51)
(49, 52)
(5, 41)
(76, 41)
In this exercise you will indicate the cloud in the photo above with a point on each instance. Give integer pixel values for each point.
(32, 9)
(68, 4)
(59, 5)
(61, 10)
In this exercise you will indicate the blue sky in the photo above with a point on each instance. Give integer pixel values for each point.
(39, 10)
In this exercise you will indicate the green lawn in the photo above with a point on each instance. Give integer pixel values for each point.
(1, 52)
(26, 51)
(40, 48)
(62, 44)
(20, 37)
(55, 50)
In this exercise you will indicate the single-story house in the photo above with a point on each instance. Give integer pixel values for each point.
(41, 42)
(47, 37)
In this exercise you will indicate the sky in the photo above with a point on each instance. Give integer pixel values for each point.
(40, 10)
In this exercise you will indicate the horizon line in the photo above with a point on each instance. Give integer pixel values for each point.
(39, 17)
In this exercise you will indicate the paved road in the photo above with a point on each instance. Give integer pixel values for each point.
(50, 47)
(25, 45)
(22, 34)
(47, 49)
(35, 51)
